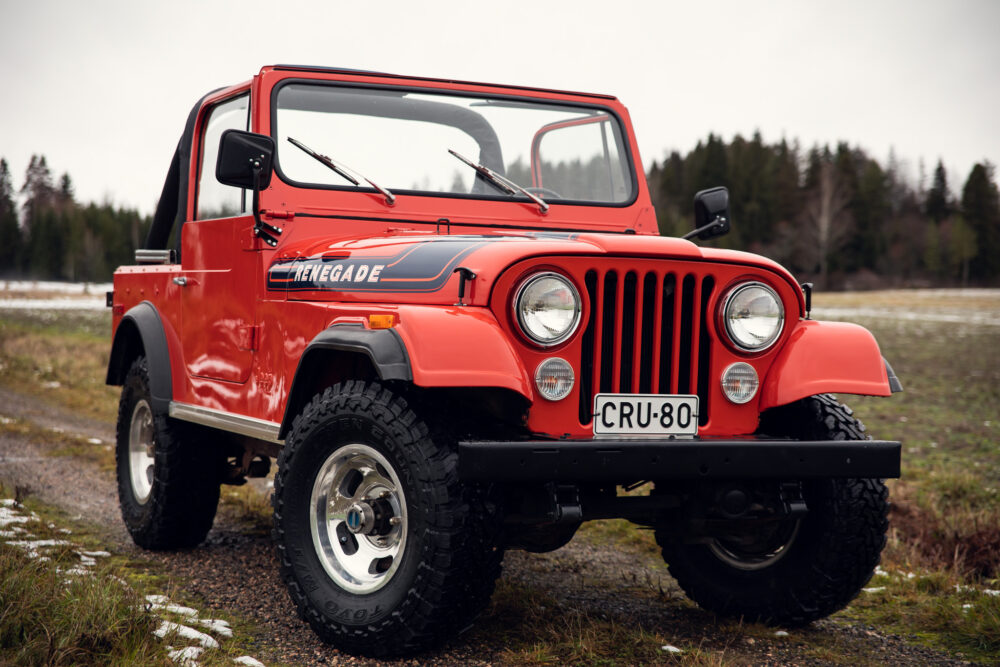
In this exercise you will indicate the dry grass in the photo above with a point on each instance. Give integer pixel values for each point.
(63, 367)
(540, 630)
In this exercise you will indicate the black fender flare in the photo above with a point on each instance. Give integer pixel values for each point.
(383, 347)
(143, 320)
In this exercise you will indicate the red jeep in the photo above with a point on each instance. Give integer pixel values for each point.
(445, 309)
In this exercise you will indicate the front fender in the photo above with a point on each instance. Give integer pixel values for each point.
(460, 347)
(826, 357)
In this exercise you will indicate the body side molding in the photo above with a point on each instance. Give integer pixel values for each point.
(226, 421)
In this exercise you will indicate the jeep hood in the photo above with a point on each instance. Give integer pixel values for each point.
(420, 268)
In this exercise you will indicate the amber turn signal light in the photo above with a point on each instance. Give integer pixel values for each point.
(381, 321)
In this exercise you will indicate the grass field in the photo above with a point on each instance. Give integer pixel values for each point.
(940, 578)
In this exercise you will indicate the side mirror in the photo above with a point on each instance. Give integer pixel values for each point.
(241, 154)
(711, 214)
(246, 160)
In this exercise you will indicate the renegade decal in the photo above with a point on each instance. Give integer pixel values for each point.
(418, 267)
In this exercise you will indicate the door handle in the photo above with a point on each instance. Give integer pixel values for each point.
(180, 280)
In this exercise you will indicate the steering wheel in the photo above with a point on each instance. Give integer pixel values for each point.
(544, 193)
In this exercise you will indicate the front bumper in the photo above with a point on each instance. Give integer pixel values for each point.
(646, 459)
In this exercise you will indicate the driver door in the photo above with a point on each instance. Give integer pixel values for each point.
(218, 303)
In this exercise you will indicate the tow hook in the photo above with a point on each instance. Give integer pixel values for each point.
(792, 500)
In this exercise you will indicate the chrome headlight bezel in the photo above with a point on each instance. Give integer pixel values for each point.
(724, 314)
(519, 316)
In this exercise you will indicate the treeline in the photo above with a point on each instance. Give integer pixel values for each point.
(835, 216)
(54, 237)
(838, 216)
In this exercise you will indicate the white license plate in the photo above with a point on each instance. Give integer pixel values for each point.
(645, 414)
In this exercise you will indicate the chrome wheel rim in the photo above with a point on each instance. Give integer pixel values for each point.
(756, 554)
(358, 518)
(141, 450)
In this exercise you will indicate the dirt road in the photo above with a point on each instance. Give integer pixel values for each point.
(587, 593)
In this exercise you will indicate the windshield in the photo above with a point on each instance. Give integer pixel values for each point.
(401, 140)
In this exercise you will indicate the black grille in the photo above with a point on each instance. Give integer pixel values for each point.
(647, 334)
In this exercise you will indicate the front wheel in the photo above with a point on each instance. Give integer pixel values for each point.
(383, 549)
(798, 570)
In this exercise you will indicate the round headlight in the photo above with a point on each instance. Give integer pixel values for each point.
(547, 308)
(753, 315)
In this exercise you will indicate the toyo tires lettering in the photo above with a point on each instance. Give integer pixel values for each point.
(351, 615)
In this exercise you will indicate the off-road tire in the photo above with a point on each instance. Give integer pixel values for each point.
(829, 560)
(181, 505)
(450, 563)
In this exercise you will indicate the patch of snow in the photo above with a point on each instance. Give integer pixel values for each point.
(53, 304)
(185, 656)
(880, 572)
(55, 287)
(989, 591)
(248, 661)
(166, 628)
(175, 609)
(96, 554)
(7, 420)
(671, 649)
(8, 517)
(874, 589)
(218, 626)
(78, 571)
(31, 547)
(95, 441)
(838, 313)
(780, 633)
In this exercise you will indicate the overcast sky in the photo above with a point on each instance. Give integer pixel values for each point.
(102, 88)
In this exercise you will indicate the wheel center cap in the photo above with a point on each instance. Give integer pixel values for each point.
(360, 518)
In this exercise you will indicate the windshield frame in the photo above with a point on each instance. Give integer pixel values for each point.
(626, 148)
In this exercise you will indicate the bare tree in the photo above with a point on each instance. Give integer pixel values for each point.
(828, 221)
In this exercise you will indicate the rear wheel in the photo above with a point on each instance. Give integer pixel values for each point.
(383, 549)
(168, 476)
(794, 571)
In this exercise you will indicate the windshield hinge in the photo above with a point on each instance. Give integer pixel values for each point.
(807, 291)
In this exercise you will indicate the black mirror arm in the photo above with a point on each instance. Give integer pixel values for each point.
(261, 228)
(718, 223)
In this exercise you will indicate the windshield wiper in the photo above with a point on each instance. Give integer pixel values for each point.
(342, 169)
(504, 184)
